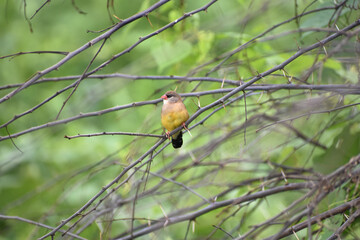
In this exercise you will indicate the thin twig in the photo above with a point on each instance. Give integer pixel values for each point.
(74, 53)
(113, 134)
(33, 52)
(38, 224)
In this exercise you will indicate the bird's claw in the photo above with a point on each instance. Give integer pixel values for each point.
(167, 135)
(184, 126)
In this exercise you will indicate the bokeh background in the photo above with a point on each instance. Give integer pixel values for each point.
(262, 138)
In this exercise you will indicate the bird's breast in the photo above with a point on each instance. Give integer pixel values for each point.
(173, 116)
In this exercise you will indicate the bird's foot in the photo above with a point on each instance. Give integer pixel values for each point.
(167, 135)
(184, 126)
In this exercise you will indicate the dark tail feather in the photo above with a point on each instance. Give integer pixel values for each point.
(177, 141)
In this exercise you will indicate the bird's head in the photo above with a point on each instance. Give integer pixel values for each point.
(171, 97)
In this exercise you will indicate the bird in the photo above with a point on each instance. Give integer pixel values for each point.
(173, 115)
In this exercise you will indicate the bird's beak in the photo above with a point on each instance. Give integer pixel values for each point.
(164, 97)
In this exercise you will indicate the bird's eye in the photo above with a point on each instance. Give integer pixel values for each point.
(168, 95)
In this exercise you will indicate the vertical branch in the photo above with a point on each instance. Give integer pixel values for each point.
(109, 6)
(26, 17)
(187, 229)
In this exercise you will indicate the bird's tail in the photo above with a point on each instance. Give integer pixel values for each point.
(177, 140)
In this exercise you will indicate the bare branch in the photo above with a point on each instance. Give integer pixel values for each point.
(32, 52)
(327, 214)
(113, 134)
(82, 48)
(38, 224)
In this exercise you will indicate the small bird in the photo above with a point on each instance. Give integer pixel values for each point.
(173, 115)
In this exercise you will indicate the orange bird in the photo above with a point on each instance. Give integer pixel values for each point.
(173, 115)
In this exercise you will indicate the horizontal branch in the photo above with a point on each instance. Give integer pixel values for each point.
(82, 115)
(261, 87)
(33, 52)
(131, 77)
(114, 133)
(299, 30)
(332, 87)
(308, 114)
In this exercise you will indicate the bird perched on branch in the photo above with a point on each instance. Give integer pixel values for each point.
(173, 115)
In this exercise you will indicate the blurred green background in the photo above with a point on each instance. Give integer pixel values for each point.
(52, 177)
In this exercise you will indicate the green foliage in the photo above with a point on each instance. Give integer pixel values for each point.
(279, 137)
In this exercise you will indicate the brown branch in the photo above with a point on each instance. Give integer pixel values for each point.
(80, 79)
(303, 136)
(323, 186)
(217, 205)
(305, 115)
(272, 70)
(329, 87)
(329, 184)
(90, 114)
(37, 106)
(26, 17)
(38, 224)
(113, 134)
(104, 189)
(82, 48)
(105, 36)
(197, 94)
(115, 181)
(313, 220)
(347, 223)
(12, 141)
(38, 10)
(160, 30)
(349, 89)
(254, 87)
(228, 55)
(77, 8)
(32, 52)
(182, 185)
